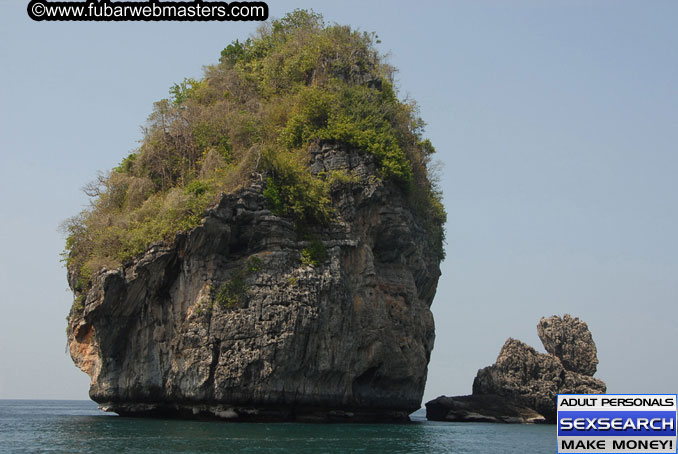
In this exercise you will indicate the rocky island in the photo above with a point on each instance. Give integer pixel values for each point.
(522, 385)
(272, 249)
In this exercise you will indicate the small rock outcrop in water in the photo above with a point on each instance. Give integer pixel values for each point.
(522, 385)
(348, 338)
(479, 408)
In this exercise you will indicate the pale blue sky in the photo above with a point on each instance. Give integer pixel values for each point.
(557, 123)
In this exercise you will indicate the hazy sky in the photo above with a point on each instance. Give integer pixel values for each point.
(557, 123)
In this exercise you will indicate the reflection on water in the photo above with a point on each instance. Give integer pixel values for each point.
(79, 427)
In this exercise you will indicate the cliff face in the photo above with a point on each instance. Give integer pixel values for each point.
(348, 339)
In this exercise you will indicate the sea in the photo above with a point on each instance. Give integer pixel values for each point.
(49, 426)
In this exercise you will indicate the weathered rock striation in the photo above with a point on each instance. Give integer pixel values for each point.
(521, 386)
(347, 339)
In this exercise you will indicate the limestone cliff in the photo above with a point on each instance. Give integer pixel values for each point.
(348, 338)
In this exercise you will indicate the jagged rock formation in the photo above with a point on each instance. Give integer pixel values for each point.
(347, 339)
(569, 339)
(532, 379)
(525, 378)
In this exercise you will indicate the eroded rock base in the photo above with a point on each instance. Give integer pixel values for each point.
(476, 408)
(255, 414)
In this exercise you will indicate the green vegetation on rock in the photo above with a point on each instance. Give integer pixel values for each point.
(234, 291)
(314, 254)
(297, 83)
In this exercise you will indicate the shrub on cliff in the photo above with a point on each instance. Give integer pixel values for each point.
(296, 83)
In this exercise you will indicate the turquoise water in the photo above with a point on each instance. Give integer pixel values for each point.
(79, 427)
